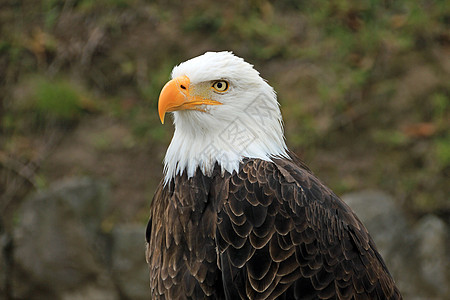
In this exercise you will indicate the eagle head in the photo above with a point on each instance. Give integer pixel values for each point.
(223, 112)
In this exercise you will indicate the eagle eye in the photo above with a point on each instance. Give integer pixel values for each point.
(220, 86)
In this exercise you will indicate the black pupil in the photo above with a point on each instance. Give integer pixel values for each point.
(219, 85)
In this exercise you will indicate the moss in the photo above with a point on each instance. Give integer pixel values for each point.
(442, 151)
(57, 99)
(342, 70)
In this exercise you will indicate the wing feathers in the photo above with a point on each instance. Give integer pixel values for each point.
(270, 231)
(295, 237)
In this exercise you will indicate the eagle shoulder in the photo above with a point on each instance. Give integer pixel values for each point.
(281, 232)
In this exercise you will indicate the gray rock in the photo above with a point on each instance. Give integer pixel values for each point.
(384, 220)
(87, 199)
(90, 291)
(59, 252)
(4, 265)
(54, 243)
(433, 248)
(129, 268)
(415, 260)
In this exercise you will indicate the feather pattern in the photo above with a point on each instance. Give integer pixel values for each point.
(270, 230)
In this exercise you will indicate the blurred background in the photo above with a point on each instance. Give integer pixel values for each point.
(364, 92)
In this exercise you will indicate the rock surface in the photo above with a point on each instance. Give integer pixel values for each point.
(433, 254)
(416, 256)
(129, 268)
(5, 247)
(55, 244)
(59, 251)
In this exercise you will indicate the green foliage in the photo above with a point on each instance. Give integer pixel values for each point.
(40, 181)
(90, 5)
(57, 99)
(442, 148)
(345, 72)
(203, 22)
(441, 106)
(144, 120)
(12, 51)
(41, 102)
(305, 133)
(390, 138)
(52, 9)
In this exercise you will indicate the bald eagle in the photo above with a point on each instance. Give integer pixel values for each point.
(237, 215)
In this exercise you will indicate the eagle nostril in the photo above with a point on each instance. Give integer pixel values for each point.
(183, 87)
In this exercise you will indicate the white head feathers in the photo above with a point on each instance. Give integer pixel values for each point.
(247, 124)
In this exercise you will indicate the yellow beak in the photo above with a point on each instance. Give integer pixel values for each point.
(175, 95)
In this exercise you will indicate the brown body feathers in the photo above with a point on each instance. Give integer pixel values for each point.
(270, 231)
